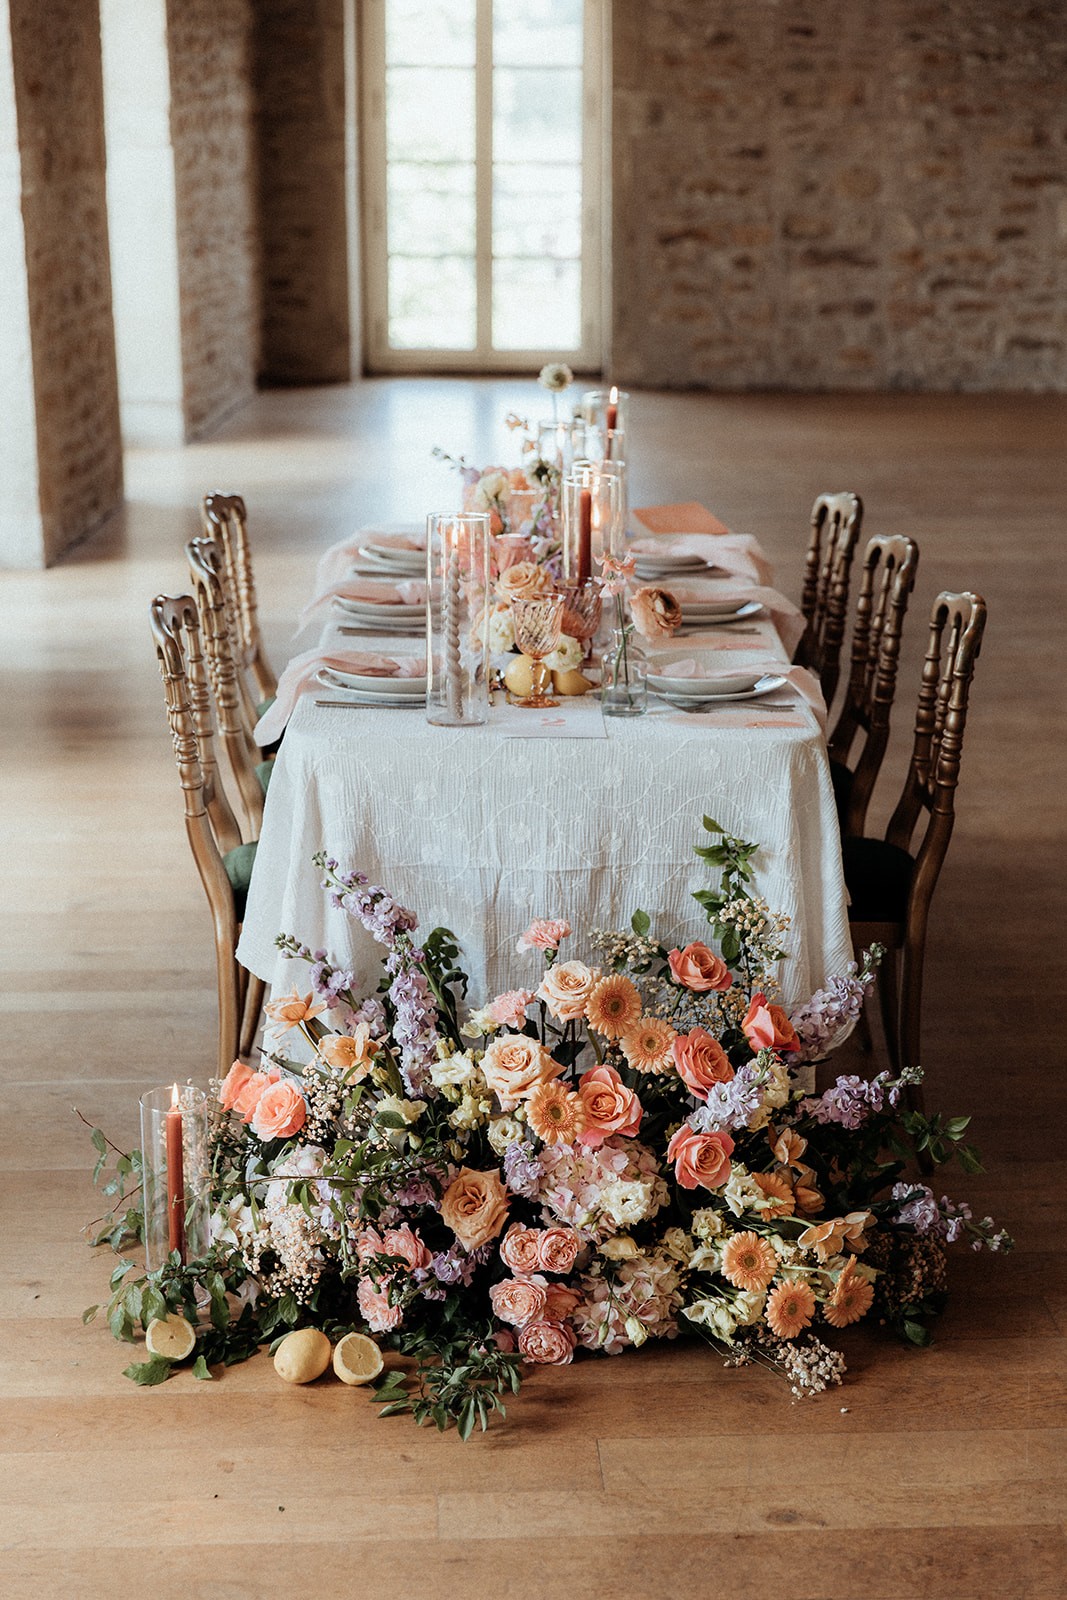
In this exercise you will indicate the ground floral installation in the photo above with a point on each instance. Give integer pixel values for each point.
(603, 1156)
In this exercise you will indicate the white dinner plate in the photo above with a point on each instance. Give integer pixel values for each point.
(369, 683)
(360, 697)
(411, 562)
(380, 609)
(707, 683)
(693, 617)
(765, 685)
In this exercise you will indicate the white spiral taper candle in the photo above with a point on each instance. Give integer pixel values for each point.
(453, 662)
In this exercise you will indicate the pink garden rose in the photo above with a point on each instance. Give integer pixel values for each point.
(232, 1084)
(560, 1302)
(566, 988)
(557, 1250)
(378, 1314)
(549, 1344)
(544, 933)
(514, 1065)
(767, 1027)
(518, 1300)
(610, 1107)
(281, 1111)
(698, 968)
(700, 1158)
(406, 1243)
(701, 1061)
(509, 1010)
(520, 1248)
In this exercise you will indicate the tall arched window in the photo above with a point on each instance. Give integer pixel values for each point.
(483, 147)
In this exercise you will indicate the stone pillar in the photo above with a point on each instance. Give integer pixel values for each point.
(59, 417)
(300, 73)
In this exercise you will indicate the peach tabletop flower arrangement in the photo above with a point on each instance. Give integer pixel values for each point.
(626, 1146)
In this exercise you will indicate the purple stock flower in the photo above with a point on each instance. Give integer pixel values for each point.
(851, 1100)
(818, 1023)
(732, 1104)
(917, 1208)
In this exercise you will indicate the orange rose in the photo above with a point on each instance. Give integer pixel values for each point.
(475, 1207)
(698, 968)
(247, 1097)
(281, 1111)
(566, 988)
(232, 1084)
(549, 1344)
(767, 1027)
(519, 1249)
(558, 1249)
(701, 1061)
(610, 1107)
(656, 613)
(700, 1158)
(513, 1066)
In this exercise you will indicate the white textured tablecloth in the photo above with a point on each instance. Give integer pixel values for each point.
(482, 832)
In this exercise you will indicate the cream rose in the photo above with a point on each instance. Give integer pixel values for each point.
(566, 988)
(514, 1064)
(523, 581)
(475, 1207)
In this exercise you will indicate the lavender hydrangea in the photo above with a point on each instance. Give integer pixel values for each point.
(522, 1170)
(851, 1100)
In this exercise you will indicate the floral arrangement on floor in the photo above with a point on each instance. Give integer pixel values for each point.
(609, 1154)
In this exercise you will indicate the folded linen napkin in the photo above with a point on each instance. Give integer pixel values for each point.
(335, 562)
(788, 618)
(375, 591)
(804, 682)
(685, 516)
(300, 674)
(739, 554)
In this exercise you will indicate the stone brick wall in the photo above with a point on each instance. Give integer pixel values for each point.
(300, 97)
(59, 112)
(838, 194)
(209, 43)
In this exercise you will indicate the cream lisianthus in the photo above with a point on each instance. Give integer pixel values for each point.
(472, 1111)
(567, 654)
(503, 1132)
(748, 1306)
(708, 1224)
(742, 1192)
(716, 1316)
(457, 1069)
(479, 1024)
(392, 1105)
(625, 1202)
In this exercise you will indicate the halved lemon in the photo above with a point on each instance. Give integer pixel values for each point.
(302, 1356)
(173, 1337)
(357, 1359)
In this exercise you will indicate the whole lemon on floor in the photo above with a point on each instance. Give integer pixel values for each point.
(302, 1356)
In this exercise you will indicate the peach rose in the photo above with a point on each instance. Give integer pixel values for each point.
(700, 1158)
(509, 1010)
(405, 1243)
(514, 1064)
(518, 1300)
(656, 613)
(256, 1084)
(232, 1084)
(519, 1248)
(549, 1344)
(280, 1111)
(560, 1301)
(510, 549)
(566, 988)
(544, 933)
(767, 1027)
(610, 1107)
(557, 1249)
(701, 1061)
(525, 580)
(352, 1054)
(698, 968)
(378, 1314)
(475, 1207)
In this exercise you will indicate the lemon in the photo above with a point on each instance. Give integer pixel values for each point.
(302, 1356)
(357, 1359)
(519, 676)
(171, 1336)
(572, 682)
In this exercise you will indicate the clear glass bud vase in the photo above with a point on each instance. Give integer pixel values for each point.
(624, 675)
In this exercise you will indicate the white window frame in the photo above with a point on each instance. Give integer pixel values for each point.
(483, 358)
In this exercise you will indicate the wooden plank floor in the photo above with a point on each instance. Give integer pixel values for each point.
(937, 1474)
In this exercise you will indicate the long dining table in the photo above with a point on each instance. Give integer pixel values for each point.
(560, 813)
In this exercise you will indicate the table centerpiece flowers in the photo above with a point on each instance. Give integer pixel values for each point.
(607, 1154)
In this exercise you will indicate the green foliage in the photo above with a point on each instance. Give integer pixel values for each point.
(460, 1378)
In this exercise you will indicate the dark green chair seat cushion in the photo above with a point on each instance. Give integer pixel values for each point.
(263, 772)
(878, 876)
(238, 863)
(268, 749)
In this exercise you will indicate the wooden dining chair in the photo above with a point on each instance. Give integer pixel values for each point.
(223, 859)
(248, 773)
(890, 562)
(891, 884)
(835, 527)
(225, 519)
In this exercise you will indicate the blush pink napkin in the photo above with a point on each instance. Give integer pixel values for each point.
(685, 516)
(377, 591)
(300, 674)
(739, 554)
(335, 562)
(804, 682)
(787, 618)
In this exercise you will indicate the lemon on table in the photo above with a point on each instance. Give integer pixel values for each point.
(173, 1337)
(357, 1359)
(518, 678)
(572, 682)
(302, 1356)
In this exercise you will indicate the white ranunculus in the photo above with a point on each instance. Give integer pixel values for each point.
(567, 654)
(555, 377)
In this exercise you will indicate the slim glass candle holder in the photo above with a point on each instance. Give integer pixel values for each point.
(591, 526)
(605, 413)
(175, 1174)
(561, 443)
(457, 595)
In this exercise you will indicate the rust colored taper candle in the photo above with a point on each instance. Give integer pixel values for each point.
(175, 1178)
(585, 536)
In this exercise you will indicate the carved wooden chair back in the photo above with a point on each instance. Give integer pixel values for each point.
(890, 563)
(206, 569)
(835, 527)
(225, 519)
(209, 822)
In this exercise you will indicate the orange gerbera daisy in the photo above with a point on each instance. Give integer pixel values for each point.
(648, 1046)
(291, 1010)
(790, 1308)
(555, 1114)
(749, 1262)
(850, 1300)
(776, 1187)
(614, 1007)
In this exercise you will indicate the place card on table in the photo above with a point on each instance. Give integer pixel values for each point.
(576, 717)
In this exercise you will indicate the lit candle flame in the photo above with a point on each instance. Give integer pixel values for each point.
(613, 397)
(174, 1095)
